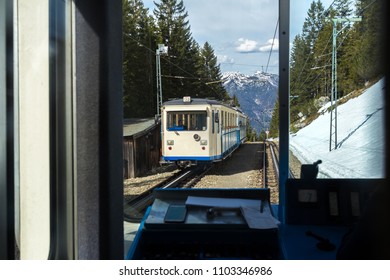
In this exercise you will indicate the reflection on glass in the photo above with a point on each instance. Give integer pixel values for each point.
(191, 121)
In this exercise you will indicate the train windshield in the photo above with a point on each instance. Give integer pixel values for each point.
(182, 120)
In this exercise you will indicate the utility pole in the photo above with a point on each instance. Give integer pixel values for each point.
(334, 97)
(162, 50)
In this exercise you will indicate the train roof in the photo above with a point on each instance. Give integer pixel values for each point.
(194, 101)
(199, 101)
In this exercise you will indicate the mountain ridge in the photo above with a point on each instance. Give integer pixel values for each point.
(256, 94)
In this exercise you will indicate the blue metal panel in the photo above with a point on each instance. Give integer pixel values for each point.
(229, 140)
(297, 245)
(199, 158)
(137, 238)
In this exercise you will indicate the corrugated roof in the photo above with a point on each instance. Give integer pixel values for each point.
(132, 127)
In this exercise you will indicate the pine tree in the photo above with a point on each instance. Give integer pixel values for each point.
(210, 73)
(250, 133)
(299, 87)
(348, 65)
(322, 69)
(179, 67)
(274, 124)
(306, 76)
(313, 23)
(185, 70)
(138, 61)
(369, 39)
(342, 8)
(359, 53)
(235, 101)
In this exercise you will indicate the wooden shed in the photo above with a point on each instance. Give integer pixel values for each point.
(141, 146)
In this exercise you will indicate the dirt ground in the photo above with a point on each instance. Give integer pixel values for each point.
(240, 170)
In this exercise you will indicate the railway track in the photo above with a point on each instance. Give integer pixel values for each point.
(134, 209)
(271, 166)
(271, 173)
(273, 156)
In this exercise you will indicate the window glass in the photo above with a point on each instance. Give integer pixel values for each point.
(181, 120)
(212, 122)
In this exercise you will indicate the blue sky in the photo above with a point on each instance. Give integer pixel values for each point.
(241, 32)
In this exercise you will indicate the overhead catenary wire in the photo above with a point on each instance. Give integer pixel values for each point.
(250, 65)
(175, 65)
(316, 35)
(327, 61)
(366, 7)
(272, 45)
(297, 87)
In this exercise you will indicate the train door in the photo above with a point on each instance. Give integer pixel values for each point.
(214, 151)
(237, 124)
(223, 131)
(218, 142)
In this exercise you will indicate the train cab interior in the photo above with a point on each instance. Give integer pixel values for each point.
(61, 181)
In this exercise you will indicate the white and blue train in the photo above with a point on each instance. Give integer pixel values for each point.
(195, 130)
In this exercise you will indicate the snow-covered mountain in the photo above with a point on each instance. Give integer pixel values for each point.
(256, 94)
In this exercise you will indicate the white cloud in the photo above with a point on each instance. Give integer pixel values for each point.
(222, 22)
(267, 47)
(246, 45)
(250, 46)
(225, 59)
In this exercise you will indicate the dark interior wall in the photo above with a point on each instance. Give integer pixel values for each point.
(99, 137)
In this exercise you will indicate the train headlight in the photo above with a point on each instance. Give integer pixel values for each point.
(203, 142)
(170, 142)
(196, 137)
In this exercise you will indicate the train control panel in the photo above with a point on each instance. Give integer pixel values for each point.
(242, 224)
(322, 213)
(208, 224)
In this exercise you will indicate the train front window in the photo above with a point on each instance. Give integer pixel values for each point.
(191, 121)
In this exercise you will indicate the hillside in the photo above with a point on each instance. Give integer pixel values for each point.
(360, 151)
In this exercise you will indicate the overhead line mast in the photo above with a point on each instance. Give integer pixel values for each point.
(334, 97)
(162, 50)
